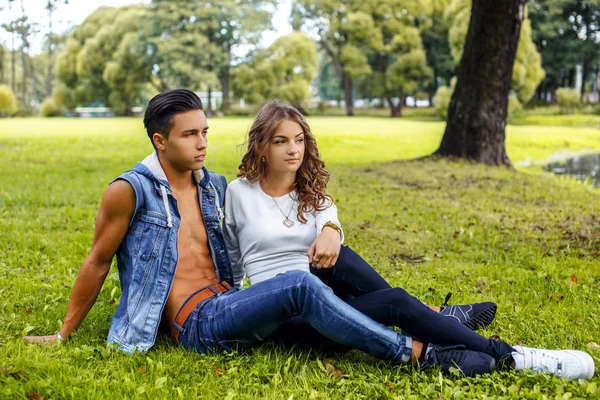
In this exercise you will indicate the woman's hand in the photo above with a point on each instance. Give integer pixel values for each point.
(324, 251)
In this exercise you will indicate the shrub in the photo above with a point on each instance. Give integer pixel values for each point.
(567, 98)
(514, 105)
(49, 108)
(8, 102)
(441, 101)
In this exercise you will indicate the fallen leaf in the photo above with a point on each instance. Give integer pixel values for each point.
(391, 387)
(420, 258)
(34, 396)
(480, 283)
(142, 369)
(593, 346)
(18, 375)
(338, 373)
(218, 370)
(573, 279)
(27, 309)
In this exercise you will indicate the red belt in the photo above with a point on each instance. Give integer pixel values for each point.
(190, 304)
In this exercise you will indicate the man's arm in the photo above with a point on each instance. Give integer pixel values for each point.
(112, 222)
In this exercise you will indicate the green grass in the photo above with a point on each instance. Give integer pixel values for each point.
(523, 235)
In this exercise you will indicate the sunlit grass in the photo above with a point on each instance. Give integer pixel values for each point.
(522, 235)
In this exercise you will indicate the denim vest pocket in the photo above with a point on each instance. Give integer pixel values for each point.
(150, 232)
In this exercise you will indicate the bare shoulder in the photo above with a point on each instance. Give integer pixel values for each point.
(118, 199)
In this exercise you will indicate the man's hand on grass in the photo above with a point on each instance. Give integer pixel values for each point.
(42, 340)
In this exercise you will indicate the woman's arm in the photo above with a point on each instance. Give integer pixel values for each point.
(231, 238)
(324, 251)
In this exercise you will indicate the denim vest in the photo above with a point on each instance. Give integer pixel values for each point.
(147, 256)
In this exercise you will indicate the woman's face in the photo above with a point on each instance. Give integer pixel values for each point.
(285, 151)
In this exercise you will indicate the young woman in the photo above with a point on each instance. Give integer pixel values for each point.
(280, 219)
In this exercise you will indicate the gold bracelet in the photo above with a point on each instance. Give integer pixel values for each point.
(333, 225)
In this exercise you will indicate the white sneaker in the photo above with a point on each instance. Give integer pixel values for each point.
(571, 364)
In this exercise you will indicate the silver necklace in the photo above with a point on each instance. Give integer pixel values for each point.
(287, 222)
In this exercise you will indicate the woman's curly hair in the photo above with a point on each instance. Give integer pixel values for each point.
(311, 177)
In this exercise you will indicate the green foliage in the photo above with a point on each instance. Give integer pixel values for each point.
(283, 71)
(567, 98)
(104, 59)
(190, 44)
(8, 102)
(527, 70)
(49, 108)
(63, 98)
(567, 34)
(441, 101)
(514, 105)
(523, 234)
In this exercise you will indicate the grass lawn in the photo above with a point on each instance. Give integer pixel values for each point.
(525, 239)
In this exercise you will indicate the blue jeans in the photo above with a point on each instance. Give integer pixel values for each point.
(243, 318)
(354, 280)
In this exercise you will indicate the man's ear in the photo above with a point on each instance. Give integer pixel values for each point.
(159, 141)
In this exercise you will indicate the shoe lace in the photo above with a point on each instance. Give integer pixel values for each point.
(447, 299)
(541, 360)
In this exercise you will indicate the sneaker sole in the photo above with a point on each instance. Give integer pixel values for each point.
(483, 318)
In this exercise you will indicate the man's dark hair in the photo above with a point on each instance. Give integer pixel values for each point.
(163, 107)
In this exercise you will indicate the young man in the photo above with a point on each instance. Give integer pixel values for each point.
(162, 221)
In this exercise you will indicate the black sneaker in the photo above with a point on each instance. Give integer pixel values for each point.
(468, 362)
(473, 316)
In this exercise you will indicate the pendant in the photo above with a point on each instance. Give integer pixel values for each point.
(288, 223)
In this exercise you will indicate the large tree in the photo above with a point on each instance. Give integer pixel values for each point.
(527, 70)
(476, 121)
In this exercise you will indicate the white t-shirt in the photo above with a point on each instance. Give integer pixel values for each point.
(258, 243)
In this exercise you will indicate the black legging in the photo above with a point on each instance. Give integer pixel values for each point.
(355, 281)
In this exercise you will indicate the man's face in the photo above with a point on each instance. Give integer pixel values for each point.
(185, 148)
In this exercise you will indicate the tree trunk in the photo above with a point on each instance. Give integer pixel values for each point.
(208, 107)
(13, 65)
(34, 82)
(476, 121)
(23, 80)
(225, 79)
(50, 70)
(347, 85)
(396, 110)
(584, 72)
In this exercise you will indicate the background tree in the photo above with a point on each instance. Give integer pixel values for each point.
(335, 22)
(527, 71)
(218, 27)
(104, 60)
(434, 35)
(476, 121)
(399, 62)
(51, 42)
(568, 34)
(282, 71)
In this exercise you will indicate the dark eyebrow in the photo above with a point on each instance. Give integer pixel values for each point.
(190, 130)
(301, 133)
